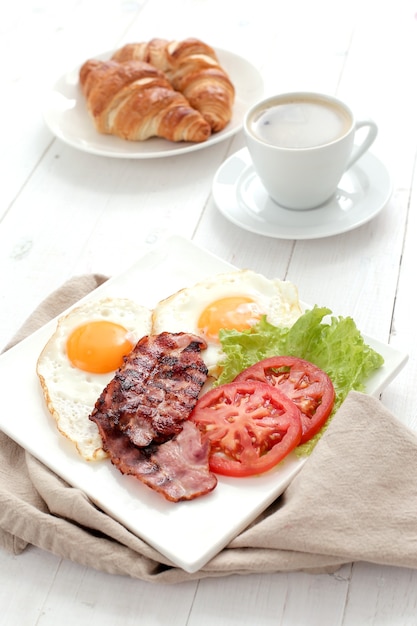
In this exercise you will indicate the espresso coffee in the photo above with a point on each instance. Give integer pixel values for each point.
(300, 123)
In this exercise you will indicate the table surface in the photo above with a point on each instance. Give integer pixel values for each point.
(65, 212)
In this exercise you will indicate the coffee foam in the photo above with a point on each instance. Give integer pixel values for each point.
(300, 122)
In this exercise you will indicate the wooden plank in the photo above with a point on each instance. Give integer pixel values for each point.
(91, 597)
(25, 581)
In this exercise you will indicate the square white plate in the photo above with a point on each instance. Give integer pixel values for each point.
(187, 533)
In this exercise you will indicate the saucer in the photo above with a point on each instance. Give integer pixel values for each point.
(239, 195)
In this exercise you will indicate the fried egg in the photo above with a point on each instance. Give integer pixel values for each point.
(233, 300)
(80, 359)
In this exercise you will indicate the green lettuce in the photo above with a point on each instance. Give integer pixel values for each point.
(334, 344)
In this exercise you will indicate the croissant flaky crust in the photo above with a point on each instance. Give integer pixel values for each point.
(135, 101)
(192, 68)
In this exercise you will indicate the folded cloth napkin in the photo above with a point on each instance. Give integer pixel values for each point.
(354, 500)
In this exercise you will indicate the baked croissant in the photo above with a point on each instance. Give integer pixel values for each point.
(192, 68)
(135, 101)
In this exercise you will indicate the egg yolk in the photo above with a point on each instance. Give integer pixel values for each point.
(98, 346)
(238, 312)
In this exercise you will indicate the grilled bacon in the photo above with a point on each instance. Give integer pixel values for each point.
(141, 416)
(177, 468)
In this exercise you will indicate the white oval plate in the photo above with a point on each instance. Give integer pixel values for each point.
(240, 196)
(65, 113)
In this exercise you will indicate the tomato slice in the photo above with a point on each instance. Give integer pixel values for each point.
(250, 426)
(306, 384)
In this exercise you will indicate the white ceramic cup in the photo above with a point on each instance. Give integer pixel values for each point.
(302, 143)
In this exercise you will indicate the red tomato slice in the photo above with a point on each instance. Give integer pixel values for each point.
(251, 427)
(306, 384)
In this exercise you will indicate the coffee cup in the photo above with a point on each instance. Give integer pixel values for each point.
(301, 144)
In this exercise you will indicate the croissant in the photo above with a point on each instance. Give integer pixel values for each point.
(135, 101)
(192, 68)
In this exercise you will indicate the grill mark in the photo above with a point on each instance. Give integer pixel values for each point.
(142, 416)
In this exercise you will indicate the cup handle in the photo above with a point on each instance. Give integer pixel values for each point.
(368, 140)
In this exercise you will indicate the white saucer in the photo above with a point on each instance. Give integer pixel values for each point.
(240, 196)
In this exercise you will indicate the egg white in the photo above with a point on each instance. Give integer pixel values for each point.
(276, 299)
(71, 393)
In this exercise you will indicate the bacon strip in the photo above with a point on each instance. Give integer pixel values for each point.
(177, 469)
(141, 416)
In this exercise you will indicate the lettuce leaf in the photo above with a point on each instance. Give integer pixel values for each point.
(334, 344)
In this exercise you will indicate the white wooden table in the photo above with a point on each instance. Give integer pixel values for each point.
(65, 212)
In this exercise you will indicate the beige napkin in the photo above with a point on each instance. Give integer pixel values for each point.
(354, 500)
